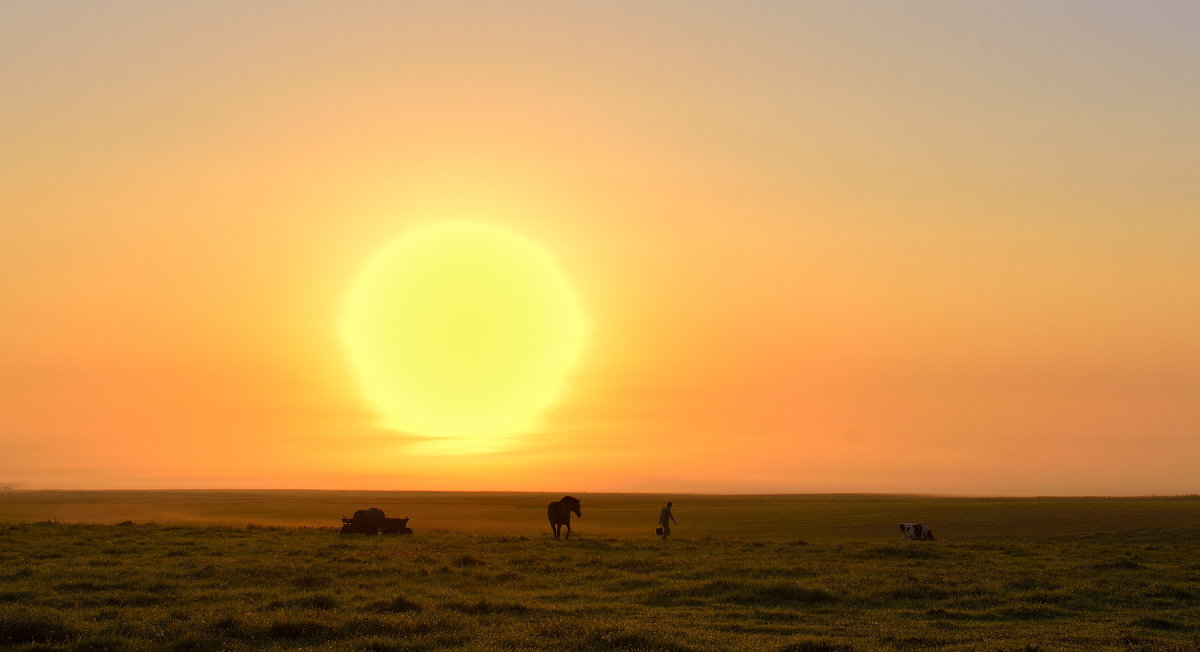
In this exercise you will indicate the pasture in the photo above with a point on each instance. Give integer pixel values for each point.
(267, 570)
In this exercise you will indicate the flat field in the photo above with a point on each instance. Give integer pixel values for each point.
(268, 570)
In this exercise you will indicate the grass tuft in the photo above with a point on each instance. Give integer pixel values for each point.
(815, 646)
(1119, 564)
(399, 605)
(484, 607)
(35, 626)
(1151, 622)
(609, 639)
(916, 590)
(383, 645)
(106, 642)
(915, 551)
(949, 614)
(1169, 592)
(311, 581)
(317, 601)
(195, 641)
(297, 629)
(784, 594)
(16, 596)
(1026, 612)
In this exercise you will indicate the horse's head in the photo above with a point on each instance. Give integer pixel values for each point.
(572, 504)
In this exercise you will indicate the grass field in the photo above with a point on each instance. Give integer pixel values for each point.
(481, 572)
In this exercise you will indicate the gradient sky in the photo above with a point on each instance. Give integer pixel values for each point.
(947, 247)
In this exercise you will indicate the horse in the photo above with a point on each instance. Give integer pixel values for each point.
(559, 513)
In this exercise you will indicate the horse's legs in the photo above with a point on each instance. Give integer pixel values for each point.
(568, 530)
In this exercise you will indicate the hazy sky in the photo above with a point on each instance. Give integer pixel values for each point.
(944, 247)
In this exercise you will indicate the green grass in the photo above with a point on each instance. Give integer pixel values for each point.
(807, 581)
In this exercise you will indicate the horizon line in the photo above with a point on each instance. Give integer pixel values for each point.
(12, 489)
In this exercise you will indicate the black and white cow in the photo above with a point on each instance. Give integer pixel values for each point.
(915, 532)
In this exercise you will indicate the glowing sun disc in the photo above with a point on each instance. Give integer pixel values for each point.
(462, 332)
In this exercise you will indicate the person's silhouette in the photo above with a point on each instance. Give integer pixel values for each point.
(665, 518)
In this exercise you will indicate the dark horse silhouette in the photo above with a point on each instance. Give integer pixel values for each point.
(559, 513)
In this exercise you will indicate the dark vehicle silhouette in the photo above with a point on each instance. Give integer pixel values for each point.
(374, 521)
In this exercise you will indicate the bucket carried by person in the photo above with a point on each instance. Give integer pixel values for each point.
(658, 531)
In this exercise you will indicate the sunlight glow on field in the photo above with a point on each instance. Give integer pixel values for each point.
(463, 332)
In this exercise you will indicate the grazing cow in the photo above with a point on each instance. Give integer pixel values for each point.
(915, 532)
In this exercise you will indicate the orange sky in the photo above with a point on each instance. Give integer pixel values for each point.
(940, 248)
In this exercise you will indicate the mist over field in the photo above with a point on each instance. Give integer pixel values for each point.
(761, 517)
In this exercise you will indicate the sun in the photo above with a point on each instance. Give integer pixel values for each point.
(463, 332)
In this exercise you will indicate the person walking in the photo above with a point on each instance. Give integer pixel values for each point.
(665, 518)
